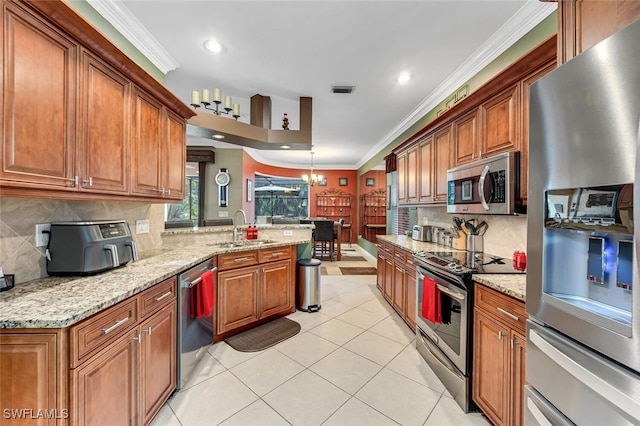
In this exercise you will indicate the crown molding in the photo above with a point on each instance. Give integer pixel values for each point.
(523, 21)
(118, 15)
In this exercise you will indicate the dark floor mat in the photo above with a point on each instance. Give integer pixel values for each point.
(353, 259)
(358, 271)
(264, 336)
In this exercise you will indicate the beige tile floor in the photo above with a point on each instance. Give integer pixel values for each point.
(353, 363)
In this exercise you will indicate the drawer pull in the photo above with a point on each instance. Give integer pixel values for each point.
(159, 298)
(278, 253)
(117, 324)
(240, 259)
(509, 314)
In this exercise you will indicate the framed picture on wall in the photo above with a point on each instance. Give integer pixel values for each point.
(343, 181)
(249, 190)
(370, 182)
(323, 182)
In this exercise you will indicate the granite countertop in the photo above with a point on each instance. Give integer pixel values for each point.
(57, 302)
(513, 285)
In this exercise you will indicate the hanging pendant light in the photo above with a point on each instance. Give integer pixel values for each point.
(312, 179)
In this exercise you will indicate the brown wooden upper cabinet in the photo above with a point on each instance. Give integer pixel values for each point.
(104, 123)
(407, 167)
(159, 149)
(583, 23)
(401, 167)
(441, 162)
(38, 143)
(68, 122)
(490, 129)
(490, 121)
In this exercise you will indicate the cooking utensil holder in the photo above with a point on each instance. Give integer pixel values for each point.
(475, 243)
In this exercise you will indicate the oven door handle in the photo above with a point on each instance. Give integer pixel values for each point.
(481, 183)
(454, 294)
(441, 274)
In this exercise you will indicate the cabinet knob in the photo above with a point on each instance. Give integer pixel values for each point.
(138, 338)
(501, 335)
(148, 331)
(88, 181)
(481, 154)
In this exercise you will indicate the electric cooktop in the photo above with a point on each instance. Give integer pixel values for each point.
(461, 262)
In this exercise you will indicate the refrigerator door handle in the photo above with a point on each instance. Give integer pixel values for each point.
(591, 380)
(537, 414)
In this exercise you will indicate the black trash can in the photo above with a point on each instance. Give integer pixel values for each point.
(308, 285)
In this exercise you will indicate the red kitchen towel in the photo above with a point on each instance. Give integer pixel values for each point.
(205, 296)
(430, 308)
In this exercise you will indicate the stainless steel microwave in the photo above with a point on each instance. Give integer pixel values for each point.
(488, 186)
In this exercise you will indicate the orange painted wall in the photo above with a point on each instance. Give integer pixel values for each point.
(250, 167)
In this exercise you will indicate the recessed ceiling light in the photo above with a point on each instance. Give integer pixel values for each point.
(285, 146)
(404, 77)
(218, 136)
(213, 46)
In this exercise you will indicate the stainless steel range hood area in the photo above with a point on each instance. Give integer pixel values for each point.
(258, 134)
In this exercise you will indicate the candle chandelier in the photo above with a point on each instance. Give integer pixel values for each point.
(215, 97)
(312, 179)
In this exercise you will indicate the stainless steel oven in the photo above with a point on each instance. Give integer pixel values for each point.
(444, 314)
(445, 344)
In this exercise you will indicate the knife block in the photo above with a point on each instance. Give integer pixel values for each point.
(459, 242)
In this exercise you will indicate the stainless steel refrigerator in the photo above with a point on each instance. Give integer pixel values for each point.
(583, 293)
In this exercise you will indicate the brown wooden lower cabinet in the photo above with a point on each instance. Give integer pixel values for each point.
(237, 299)
(380, 269)
(157, 361)
(110, 369)
(105, 389)
(397, 281)
(276, 296)
(499, 356)
(249, 295)
(33, 376)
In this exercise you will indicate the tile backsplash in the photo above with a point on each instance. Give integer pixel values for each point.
(18, 217)
(504, 234)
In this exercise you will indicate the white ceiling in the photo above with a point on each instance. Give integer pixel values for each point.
(288, 49)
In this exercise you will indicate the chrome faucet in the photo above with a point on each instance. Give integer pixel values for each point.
(235, 226)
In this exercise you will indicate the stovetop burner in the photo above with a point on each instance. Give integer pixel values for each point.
(461, 262)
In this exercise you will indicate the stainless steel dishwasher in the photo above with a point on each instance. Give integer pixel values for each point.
(195, 335)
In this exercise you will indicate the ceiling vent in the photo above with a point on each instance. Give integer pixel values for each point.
(342, 89)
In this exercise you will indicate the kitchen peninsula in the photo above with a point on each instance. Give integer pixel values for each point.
(71, 331)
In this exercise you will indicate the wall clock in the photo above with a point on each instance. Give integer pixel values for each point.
(222, 179)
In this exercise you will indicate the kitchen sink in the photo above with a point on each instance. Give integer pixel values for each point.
(244, 243)
(257, 242)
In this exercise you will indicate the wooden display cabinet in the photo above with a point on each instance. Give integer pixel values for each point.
(335, 204)
(374, 214)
